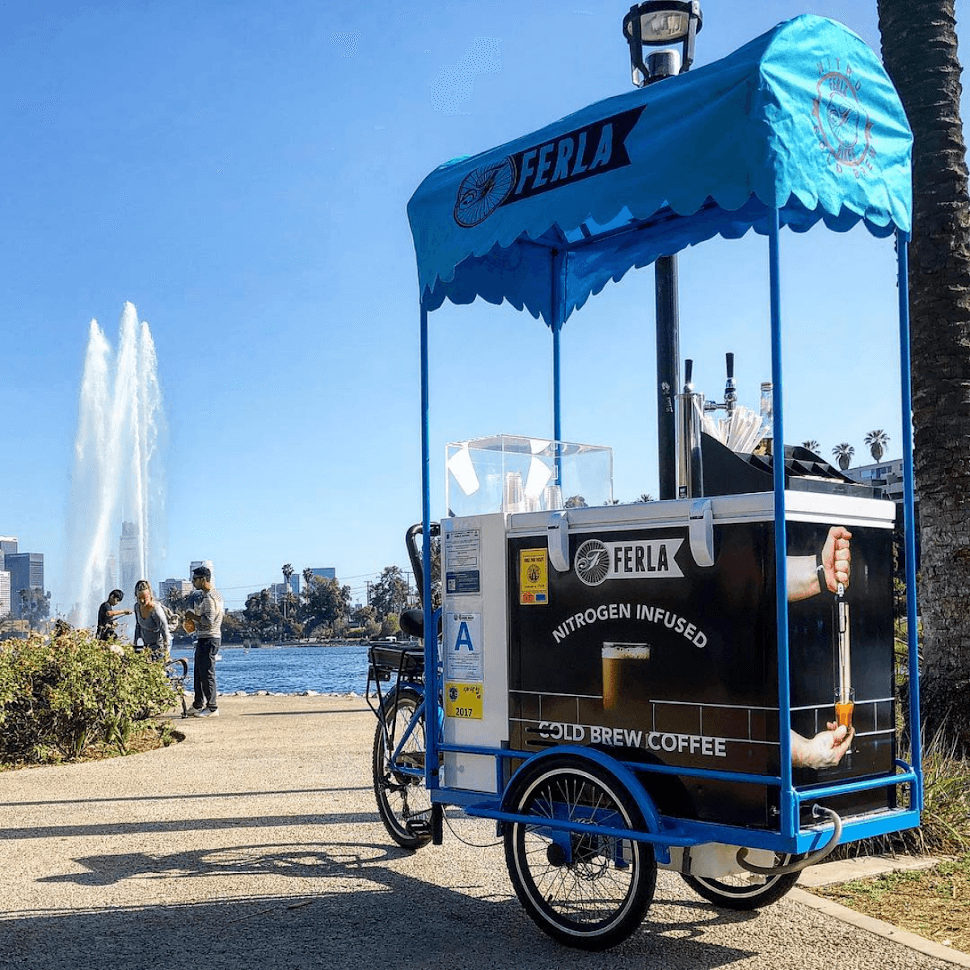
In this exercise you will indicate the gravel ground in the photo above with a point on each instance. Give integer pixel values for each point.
(256, 843)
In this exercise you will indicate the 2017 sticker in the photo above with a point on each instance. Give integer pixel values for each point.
(464, 701)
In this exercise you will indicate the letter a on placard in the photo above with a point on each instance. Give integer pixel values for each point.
(464, 638)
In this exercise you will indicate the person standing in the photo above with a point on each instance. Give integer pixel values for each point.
(151, 623)
(206, 609)
(107, 614)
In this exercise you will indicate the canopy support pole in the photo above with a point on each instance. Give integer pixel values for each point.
(909, 520)
(668, 372)
(789, 805)
(430, 640)
(556, 300)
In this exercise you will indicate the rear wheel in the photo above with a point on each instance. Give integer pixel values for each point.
(403, 800)
(747, 890)
(583, 889)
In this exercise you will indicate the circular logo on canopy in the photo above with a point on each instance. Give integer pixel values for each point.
(592, 562)
(481, 192)
(843, 126)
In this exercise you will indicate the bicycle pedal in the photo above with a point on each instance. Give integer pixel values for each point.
(418, 826)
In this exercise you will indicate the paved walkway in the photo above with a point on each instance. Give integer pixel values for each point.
(256, 843)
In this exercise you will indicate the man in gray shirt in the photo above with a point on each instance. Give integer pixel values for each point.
(206, 609)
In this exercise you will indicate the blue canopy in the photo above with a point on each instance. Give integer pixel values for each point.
(803, 119)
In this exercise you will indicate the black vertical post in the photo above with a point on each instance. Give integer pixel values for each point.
(668, 372)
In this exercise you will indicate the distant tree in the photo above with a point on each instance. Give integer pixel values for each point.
(843, 453)
(35, 606)
(391, 625)
(813, 446)
(234, 626)
(307, 576)
(390, 593)
(575, 502)
(263, 615)
(287, 573)
(363, 615)
(325, 603)
(645, 497)
(876, 442)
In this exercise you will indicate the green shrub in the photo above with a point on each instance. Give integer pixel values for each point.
(945, 819)
(60, 694)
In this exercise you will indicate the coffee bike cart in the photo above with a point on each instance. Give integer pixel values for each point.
(624, 687)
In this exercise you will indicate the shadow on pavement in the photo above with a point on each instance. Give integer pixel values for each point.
(347, 909)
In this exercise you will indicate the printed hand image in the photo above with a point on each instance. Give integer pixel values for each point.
(825, 750)
(808, 576)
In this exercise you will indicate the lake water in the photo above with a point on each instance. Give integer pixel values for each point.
(288, 670)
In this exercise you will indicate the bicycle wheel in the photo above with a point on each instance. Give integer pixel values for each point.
(402, 800)
(746, 890)
(584, 890)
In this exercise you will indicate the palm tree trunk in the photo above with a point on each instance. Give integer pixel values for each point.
(919, 46)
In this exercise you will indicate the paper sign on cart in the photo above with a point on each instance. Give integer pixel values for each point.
(462, 647)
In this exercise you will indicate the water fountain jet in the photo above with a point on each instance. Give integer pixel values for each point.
(117, 485)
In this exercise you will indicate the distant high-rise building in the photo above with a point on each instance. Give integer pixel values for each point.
(324, 572)
(26, 571)
(203, 562)
(4, 592)
(7, 544)
(129, 557)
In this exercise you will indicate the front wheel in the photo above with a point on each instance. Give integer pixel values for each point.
(403, 801)
(583, 889)
(747, 890)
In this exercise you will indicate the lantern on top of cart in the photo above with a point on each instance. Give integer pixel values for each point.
(662, 24)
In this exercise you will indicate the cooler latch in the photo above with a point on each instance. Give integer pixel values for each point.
(701, 530)
(557, 532)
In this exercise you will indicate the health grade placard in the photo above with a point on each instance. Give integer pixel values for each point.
(533, 577)
(463, 701)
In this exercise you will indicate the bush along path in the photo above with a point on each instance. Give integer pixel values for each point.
(62, 695)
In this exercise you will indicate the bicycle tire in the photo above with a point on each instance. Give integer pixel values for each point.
(746, 891)
(584, 890)
(403, 802)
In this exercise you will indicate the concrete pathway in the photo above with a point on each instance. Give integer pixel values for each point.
(256, 843)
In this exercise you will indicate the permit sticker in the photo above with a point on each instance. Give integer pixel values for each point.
(533, 577)
(463, 701)
(461, 647)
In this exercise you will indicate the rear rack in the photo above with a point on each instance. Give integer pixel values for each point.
(386, 662)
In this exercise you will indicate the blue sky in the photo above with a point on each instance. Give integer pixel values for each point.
(239, 171)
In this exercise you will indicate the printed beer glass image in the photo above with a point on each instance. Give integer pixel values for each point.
(625, 673)
(844, 702)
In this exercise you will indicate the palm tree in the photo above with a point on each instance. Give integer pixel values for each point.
(812, 446)
(645, 497)
(877, 441)
(287, 573)
(919, 49)
(844, 452)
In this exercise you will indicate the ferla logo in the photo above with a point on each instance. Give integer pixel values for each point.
(596, 561)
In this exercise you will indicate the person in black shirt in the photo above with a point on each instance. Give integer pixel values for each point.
(107, 614)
